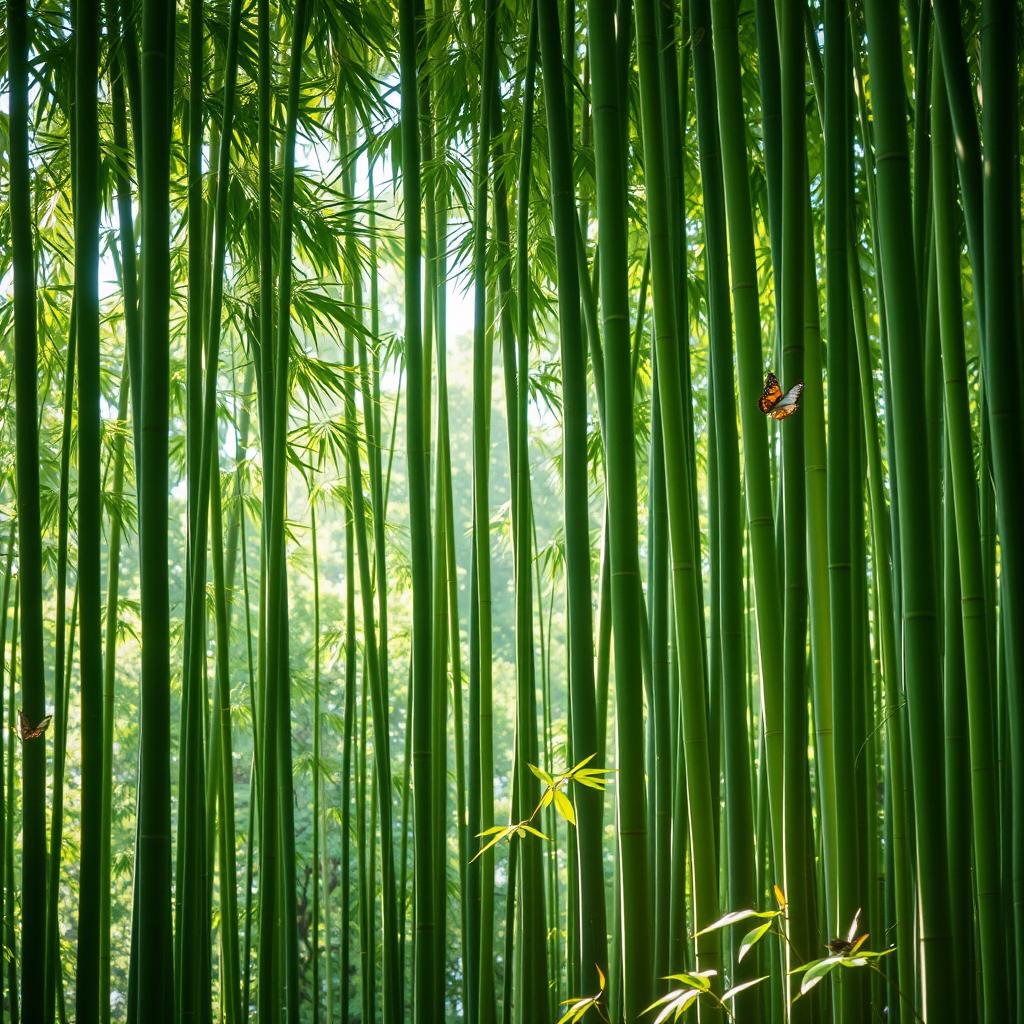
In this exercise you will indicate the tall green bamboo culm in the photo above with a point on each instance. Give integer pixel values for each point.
(921, 665)
(749, 364)
(890, 699)
(792, 269)
(221, 784)
(30, 570)
(278, 826)
(9, 808)
(5, 602)
(849, 888)
(155, 1001)
(738, 850)
(192, 912)
(87, 313)
(591, 917)
(1003, 373)
(963, 484)
(117, 472)
(61, 659)
(426, 975)
(686, 602)
(374, 678)
(481, 632)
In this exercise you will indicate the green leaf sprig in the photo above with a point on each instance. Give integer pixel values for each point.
(555, 787)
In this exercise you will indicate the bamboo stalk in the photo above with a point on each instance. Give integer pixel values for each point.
(30, 575)
(687, 604)
(155, 999)
(920, 628)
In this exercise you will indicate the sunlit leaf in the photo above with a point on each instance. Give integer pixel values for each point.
(564, 806)
(734, 917)
(752, 938)
(582, 764)
(743, 986)
(699, 979)
(816, 971)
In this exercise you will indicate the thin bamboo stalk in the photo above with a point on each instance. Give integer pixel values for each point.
(756, 467)
(118, 456)
(426, 976)
(87, 215)
(962, 492)
(481, 637)
(30, 575)
(726, 504)
(687, 603)
(155, 999)
(1003, 370)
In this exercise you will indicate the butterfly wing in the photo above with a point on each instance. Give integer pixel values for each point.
(771, 394)
(32, 732)
(788, 404)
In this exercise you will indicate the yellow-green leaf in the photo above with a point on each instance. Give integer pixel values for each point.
(752, 938)
(564, 806)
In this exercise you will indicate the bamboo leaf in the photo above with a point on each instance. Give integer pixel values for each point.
(751, 939)
(742, 987)
(582, 764)
(813, 973)
(533, 831)
(564, 806)
(700, 980)
(734, 917)
(576, 1011)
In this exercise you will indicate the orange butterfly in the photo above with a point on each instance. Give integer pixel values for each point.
(31, 732)
(776, 404)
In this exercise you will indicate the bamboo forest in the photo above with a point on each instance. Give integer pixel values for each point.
(511, 511)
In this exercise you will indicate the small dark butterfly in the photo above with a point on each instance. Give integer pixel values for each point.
(852, 942)
(31, 732)
(839, 947)
(776, 404)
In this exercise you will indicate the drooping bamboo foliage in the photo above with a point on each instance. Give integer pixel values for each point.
(626, 694)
